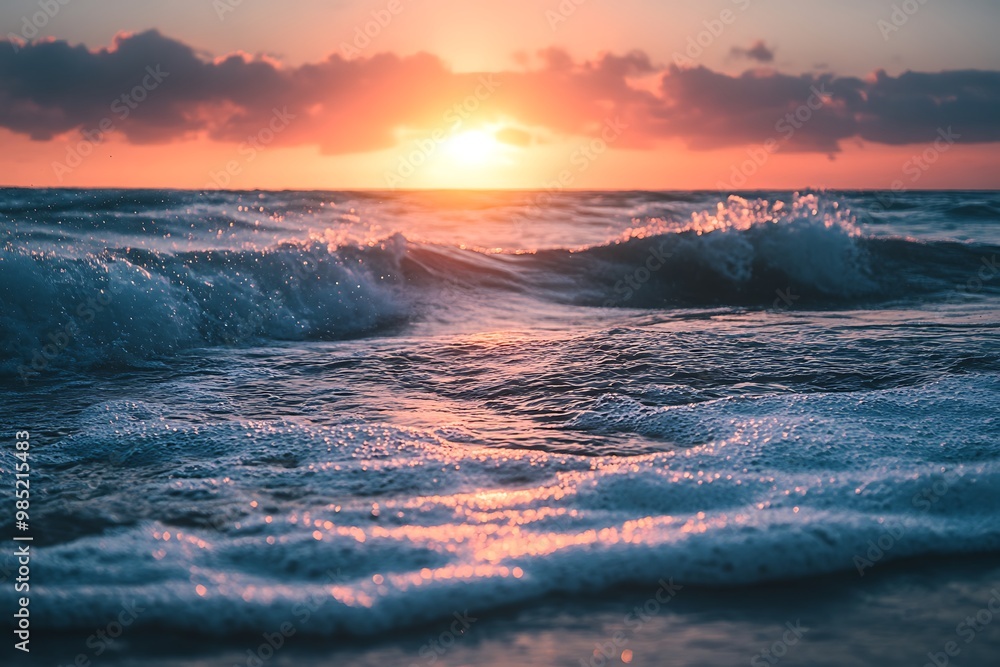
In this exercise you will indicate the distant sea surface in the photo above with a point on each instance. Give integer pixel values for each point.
(363, 413)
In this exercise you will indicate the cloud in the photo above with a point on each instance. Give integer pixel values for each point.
(51, 89)
(758, 51)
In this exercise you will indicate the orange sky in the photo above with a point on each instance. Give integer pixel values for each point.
(715, 95)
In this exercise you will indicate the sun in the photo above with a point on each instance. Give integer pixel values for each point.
(470, 157)
(472, 147)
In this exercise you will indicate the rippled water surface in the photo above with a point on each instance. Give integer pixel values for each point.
(392, 406)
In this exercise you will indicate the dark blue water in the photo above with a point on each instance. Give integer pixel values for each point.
(400, 405)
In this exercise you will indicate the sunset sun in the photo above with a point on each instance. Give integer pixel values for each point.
(472, 147)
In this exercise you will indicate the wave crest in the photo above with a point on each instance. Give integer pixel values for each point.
(126, 304)
(129, 304)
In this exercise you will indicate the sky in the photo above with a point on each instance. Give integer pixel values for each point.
(547, 94)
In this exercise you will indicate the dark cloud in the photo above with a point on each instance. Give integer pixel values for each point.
(50, 88)
(758, 51)
(816, 112)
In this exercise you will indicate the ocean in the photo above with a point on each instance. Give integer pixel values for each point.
(490, 428)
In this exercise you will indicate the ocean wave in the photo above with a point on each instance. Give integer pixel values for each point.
(742, 253)
(126, 304)
(976, 211)
(806, 254)
(371, 528)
